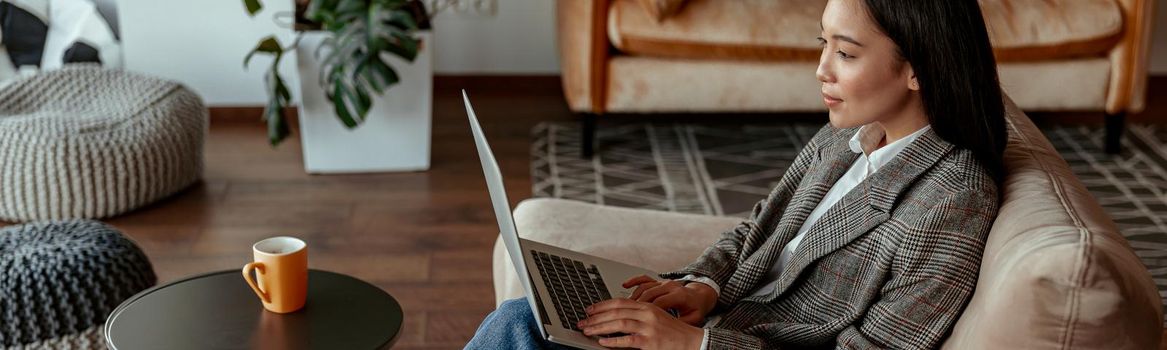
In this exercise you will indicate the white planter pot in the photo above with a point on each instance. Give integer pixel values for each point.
(396, 133)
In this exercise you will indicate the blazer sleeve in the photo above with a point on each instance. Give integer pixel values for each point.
(932, 279)
(719, 261)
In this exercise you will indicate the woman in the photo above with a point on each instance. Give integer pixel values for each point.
(873, 237)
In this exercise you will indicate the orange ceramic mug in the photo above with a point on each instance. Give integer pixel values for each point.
(281, 273)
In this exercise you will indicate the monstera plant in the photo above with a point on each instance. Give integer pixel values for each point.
(353, 67)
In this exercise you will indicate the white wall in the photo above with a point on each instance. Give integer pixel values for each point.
(202, 43)
(519, 39)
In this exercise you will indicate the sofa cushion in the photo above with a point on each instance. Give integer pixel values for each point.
(741, 29)
(1020, 30)
(1023, 30)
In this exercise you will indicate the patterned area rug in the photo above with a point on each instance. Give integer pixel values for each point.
(724, 170)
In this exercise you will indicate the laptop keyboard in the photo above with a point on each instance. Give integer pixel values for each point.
(573, 286)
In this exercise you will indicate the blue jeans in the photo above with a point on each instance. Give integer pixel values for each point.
(511, 326)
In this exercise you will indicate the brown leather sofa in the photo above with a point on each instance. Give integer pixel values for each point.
(1056, 273)
(760, 56)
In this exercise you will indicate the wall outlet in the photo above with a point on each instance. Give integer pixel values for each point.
(465, 8)
(485, 7)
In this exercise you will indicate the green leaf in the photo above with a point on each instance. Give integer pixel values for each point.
(278, 99)
(393, 4)
(376, 74)
(350, 6)
(346, 13)
(269, 45)
(282, 90)
(277, 127)
(327, 79)
(400, 19)
(253, 6)
(327, 19)
(355, 94)
(372, 26)
(363, 101)
(330, 44)
(320, 10)
(343, 47)
(404, 46)
(349, 37)
(341, 98)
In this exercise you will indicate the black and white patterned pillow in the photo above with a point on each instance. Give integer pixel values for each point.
(46, 34)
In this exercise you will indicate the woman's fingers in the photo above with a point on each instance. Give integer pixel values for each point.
(612, 315)
(656, 292)
(679, 301)
(614, 303)
(672, 301)
(635, 324)
(638, 280)
(623, 325)
(628, 341)
(638, 294)
(642, 283)
(642, 288)
(693, 319)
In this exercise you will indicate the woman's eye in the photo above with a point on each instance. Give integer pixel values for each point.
(843, 55)
(822, 42)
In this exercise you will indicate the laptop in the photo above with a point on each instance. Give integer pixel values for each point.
(559, 283)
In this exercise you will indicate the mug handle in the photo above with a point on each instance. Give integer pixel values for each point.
(255, 265)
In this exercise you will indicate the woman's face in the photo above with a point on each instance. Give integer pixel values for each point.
(864, 79)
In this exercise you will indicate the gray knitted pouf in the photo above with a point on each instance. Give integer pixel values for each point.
(88, 142)
(60, 280)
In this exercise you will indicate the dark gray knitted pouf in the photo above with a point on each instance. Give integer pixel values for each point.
(59, 280)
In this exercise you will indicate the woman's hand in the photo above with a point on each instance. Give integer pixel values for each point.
(692, 301)
(645, 326)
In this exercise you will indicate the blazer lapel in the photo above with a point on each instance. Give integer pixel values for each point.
(864, 207)
(835, 159)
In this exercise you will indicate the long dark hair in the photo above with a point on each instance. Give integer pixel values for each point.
(948, 47)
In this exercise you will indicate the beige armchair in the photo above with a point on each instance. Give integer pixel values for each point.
(1056, 273)
(760, 56)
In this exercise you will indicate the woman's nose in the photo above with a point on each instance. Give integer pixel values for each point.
(823, 72)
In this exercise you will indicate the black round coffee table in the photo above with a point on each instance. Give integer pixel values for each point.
(219, 311)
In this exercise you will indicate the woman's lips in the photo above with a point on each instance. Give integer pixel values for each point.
(831, 101)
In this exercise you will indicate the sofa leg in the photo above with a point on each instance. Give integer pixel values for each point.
(588, 146)
(1115, 123)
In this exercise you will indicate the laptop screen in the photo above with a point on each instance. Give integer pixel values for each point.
(502, 208)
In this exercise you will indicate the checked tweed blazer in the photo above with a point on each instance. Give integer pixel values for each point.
(891, 265)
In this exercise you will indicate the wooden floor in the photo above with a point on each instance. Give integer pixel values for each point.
(424, 237)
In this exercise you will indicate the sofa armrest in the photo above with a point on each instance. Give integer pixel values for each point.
(656, 240)
(583, 52)
(1056, 271)
(1129, 60)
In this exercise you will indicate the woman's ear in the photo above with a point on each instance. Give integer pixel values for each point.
(912, 83)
